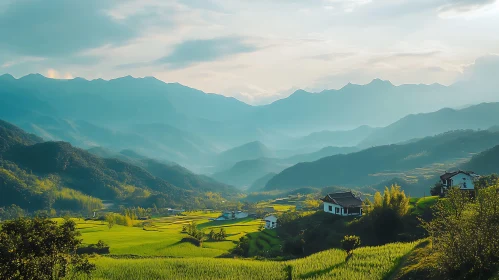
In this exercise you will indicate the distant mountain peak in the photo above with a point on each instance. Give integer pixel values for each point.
(7, 77)
(33, 77)
(379, 82)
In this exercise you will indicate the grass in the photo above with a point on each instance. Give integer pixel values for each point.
(162, 237)
(419, 205)
(365, 263)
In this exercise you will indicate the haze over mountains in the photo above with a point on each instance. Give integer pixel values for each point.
(239, 144)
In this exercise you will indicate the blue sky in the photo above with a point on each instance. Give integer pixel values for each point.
(255, 50)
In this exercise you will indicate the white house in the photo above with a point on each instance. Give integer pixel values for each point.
(270, 222)
(462, 179)
(241, 215)
(343, 204)
(232, 215)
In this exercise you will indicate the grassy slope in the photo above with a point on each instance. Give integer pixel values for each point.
(366, 263)
(163, 237)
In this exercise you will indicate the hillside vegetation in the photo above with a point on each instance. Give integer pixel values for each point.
(365, 263)
(44, 175)
(377, 164)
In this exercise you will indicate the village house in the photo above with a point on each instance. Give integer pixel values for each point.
(342, 204)
(232, 215)
(465, 180)
(270, 222)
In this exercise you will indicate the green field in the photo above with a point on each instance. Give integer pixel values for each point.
(162, 236)
(153, 250)
(366, 263)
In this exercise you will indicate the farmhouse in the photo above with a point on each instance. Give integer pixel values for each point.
(270, 222)
(465, 180)
(343, 204)
(232, 215)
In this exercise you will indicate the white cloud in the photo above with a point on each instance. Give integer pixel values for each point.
(284, 43)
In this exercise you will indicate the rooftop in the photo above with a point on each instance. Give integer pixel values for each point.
(344, 199)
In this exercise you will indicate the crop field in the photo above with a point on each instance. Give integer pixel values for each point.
(365, 263)
(162, 236)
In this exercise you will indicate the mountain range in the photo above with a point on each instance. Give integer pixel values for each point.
(39, 175)
(190, 127)
(168, 128)
(420, 160)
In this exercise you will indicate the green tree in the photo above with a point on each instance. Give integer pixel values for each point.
(464, 234)
(40, 249)
(111, 220)
(437, 188)
(349, 243)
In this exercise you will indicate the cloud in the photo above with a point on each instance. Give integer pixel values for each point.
(463, 6)
(331, 56)
(485, 68)
(58, 28)
(195, 51)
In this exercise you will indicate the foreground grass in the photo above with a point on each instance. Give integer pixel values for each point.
(366, 263)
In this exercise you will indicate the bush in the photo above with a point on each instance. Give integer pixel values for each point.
(349, 243)
(192, 240)
(100, 248)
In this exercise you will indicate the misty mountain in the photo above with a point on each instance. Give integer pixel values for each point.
(246, 172)
(485, 163)
(260, 183)
(345, 138)
(482, 116)
(248, 151)
(375, 165)
(171, 172)
(32, 171)
(11, 136)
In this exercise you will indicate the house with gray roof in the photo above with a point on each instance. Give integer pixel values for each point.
(342, 204)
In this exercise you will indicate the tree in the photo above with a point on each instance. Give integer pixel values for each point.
(437, 188)
(464, 234)
(367, 206)
(111, 220)
(40, 249)
(311, 203)
(349, 243)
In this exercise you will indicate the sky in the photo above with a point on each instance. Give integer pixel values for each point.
(255, 50)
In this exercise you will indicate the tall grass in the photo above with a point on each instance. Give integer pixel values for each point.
(365, 263)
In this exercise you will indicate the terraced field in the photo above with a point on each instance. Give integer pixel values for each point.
(365, 263)
(162, 236)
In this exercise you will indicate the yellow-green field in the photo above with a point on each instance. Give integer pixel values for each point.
(155, 251)
(162, 237)
(366, 263)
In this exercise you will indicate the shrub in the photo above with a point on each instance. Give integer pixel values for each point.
(349, 243)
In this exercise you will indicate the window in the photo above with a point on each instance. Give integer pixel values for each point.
(330, 208)
(337, 210)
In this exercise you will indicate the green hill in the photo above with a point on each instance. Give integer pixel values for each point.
(375, 165)
(484, 163)
(40, 175)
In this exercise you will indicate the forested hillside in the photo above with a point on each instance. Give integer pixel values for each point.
(375, 165)
(486, 162)
(40, 175)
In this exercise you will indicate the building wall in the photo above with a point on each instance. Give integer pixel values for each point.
(462, 179)
(337, 209)
(333, 209)
(270, 222)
